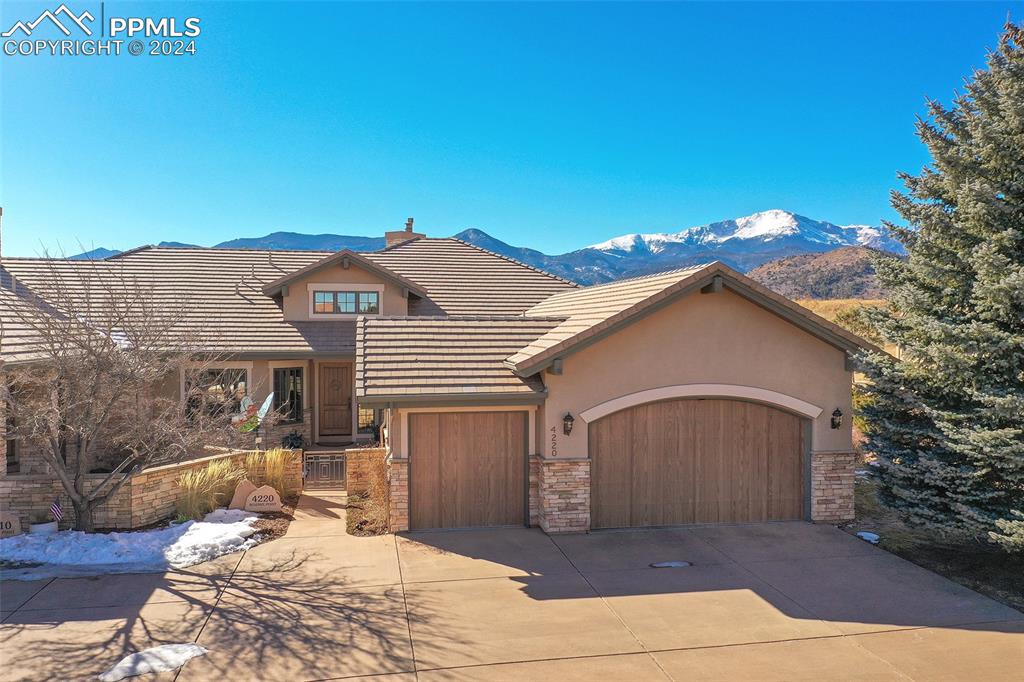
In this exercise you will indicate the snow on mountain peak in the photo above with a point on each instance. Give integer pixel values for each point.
(766, 224)
(767, 230)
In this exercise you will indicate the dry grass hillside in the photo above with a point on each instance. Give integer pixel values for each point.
(847, 272)
(834, 308)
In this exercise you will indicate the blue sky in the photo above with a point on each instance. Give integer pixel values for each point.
(547, 125)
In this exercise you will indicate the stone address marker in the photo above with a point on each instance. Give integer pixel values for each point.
(10, 524)
(242, 492)
(263, 499)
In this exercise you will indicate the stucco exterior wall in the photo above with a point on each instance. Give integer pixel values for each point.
(296, 303)
(719, 338)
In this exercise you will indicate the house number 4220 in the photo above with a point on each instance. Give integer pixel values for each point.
(554, 442)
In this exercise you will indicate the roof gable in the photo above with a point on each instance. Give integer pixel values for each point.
(343, 258)
(404, 359)
(594, 312)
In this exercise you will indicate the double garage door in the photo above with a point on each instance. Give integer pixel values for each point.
(660, 464)
(696, 461)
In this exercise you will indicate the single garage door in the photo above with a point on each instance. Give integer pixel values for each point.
(696, 461)
(467, 469)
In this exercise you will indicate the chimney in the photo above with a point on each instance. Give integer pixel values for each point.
(401, 236)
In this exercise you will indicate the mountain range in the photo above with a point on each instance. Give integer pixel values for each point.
(743, 243)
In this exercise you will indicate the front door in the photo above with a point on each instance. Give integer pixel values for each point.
(336, 399)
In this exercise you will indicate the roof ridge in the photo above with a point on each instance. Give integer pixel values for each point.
(229, 249)
(650, 275)
(517, 262)
(495, 318)
(394, 247)
(137, 249)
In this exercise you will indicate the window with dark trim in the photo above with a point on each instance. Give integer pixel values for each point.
(288, 393)
(346, 302)
(369, 419)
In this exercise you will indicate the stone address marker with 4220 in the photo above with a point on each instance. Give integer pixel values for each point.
(263, 499)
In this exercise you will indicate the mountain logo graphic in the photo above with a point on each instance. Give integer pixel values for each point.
(69, 16)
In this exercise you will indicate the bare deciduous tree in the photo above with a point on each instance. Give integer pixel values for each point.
(102, 385)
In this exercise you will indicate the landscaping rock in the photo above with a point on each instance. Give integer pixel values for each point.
(243, 490)
(10, 524)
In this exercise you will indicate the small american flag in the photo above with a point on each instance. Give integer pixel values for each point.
(57, 510)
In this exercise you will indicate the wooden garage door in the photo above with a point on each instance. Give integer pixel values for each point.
(696, 461)
(467, 469)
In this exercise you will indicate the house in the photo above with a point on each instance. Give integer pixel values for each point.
(507, 396)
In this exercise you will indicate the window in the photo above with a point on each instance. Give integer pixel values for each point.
(369, 420)
(288, 393)
(346, 302)
(219, 391)
(368, 303)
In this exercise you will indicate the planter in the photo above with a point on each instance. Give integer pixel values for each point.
(43, 528)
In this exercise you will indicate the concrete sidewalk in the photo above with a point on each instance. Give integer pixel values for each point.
(784, 601)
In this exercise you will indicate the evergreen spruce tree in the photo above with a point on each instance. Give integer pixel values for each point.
(947, 418)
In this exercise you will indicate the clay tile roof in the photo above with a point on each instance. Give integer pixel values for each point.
(591, 312)
(222, 288)
(225, 288)
(399, 357)
(18, 341)
(461, 279)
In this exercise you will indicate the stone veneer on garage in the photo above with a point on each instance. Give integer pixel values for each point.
(564, 495)
(832, 481)
(398, 475)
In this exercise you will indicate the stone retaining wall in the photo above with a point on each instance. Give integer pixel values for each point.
(148, 497)
(564, 495)
(359, 465)
(832, 481)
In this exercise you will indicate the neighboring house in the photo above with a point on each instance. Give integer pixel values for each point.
(508, 396)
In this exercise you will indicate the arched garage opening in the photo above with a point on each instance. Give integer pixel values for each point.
(691, 460)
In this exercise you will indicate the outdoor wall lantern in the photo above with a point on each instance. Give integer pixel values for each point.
(837, 418)
(567, 421)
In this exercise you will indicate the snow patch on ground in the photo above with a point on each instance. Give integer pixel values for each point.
(868, 536)
(74, 553)
(158, 659)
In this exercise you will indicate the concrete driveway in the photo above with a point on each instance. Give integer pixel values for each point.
(783, 601)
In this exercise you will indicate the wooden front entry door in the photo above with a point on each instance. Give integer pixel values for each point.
(696, 461)
(336, 399)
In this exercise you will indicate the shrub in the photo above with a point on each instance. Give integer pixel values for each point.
(203, 490)
(293, 440)
(270, 468)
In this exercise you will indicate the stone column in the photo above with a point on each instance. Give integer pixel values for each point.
(564, 492)
(398, 477)
(534, 492)
(832, 480)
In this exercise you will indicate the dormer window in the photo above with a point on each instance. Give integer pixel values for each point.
(346, 302)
